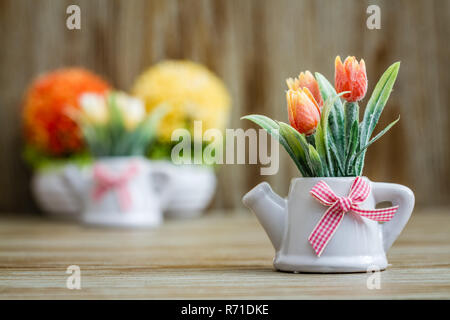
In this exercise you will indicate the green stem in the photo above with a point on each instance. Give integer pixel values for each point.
(351, 110)
(311, 140)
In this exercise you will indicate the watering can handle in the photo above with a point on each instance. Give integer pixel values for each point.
(398, 195)
(164, 192)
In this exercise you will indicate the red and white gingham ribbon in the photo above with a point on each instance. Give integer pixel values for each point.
(106, 181)
(328, 224)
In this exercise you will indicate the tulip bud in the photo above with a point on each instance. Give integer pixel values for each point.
(303, 110)
(306, 80)
(351, 76)
(132, 110)
(94, 108)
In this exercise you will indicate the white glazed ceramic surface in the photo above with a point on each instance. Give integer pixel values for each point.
(191, 194)
(147, 199)
(357, 244)
(53, 194)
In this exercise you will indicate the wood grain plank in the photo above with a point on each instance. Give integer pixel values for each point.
(220, 256)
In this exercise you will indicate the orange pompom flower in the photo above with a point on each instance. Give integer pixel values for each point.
(303, 110)
(351, 76)
(306, 80)
(47, 126)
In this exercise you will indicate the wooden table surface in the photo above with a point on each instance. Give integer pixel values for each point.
(215, 257)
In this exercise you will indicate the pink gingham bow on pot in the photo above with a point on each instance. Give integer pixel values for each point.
(328, 224)
(106, 181)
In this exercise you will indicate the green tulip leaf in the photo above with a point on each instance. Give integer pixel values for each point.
(336, 118)
(315, 162)
(321, 148)
(375, 106)
(295, 139)
(274, 130)
(352, 146)
(378, 136)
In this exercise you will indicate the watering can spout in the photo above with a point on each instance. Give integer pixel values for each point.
(269, 208)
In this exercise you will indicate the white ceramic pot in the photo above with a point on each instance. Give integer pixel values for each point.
(54, 195)
(358, 242)
(193, 191)
(121, 192)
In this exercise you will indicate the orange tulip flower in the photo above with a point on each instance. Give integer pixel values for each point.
(303, 110)
(351, 76)
(306, 80)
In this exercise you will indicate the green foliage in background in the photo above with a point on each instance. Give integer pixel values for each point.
(38, 160)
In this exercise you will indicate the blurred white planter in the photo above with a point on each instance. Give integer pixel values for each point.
(122, 191)
(53, 194)
(192, 191)
(189, 196)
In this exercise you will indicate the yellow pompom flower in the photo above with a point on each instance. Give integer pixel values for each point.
(191, 91)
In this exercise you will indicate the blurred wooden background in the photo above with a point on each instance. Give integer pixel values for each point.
(253, 45)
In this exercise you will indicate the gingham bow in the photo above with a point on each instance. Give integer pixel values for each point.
(106, 181)
(328, 224)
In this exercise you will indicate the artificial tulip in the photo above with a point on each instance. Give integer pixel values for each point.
(306, 80)
(94, 108)
(351, 76)
(132, 110)
(303, 110)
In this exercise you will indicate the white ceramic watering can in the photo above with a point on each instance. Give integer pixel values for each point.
(358, 243)
(117, 191)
